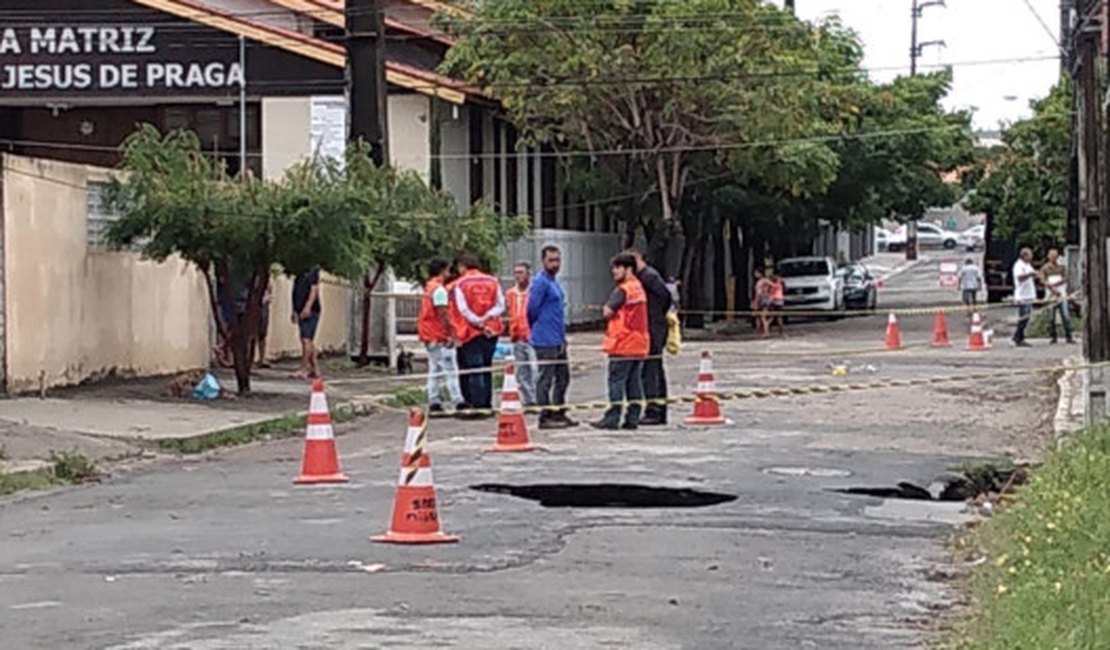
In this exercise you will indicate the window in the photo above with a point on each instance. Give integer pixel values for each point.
(99, 215)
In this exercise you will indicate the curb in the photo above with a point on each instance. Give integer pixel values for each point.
(1070, 408)
(32, 466)
(286, 425)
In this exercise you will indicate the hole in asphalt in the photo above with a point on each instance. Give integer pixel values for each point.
(937, 491)
(608, 495)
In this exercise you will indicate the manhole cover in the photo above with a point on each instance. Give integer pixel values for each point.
(607, 495)
(819, 472)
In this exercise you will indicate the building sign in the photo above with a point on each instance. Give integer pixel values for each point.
(117, 48)
(108, 58)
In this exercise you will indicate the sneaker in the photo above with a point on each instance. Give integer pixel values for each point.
(630, 426)
(1022, 344)
(602, 425)
(653, 421)
(552, 423)
(435, 409)
(566, 422)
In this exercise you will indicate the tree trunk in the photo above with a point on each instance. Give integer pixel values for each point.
(368, 283)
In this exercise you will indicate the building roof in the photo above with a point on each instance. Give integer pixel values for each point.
(331, 12)
(405, 76)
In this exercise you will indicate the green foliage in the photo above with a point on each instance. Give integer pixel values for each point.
(73, 466)
(1024, 185)
(1046, 582)
(344, 217)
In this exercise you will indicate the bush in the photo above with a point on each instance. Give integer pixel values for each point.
(1046, 582)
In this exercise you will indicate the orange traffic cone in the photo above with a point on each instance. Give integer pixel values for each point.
(893, 334)
(321, 460)
(414, 507)
(707, 409)
(512, 431)
(975, 341)
(940, 331)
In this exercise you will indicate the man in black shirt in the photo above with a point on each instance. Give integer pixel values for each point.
(659, 301)
(306, 316)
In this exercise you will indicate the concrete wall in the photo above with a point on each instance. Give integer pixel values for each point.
(73, 313)
(287, 133)
(585, 274)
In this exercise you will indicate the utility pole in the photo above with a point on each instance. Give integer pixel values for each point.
(367, 110)
(366, 89)
(916, 48)
(789, 6)
(1093, 207)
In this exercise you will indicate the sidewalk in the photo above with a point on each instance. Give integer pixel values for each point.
(118, 419)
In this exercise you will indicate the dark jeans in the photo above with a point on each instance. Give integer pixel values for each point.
(1025, 310)
(1060, 308)
(551, 388)
(477, 387)
(655, 380)
(625, 384)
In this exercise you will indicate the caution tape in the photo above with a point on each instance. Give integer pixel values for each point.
(783, 391)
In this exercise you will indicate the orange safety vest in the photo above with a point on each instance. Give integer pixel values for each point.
(626, 335)
(480, 291)
(516, 304)
(429, 326)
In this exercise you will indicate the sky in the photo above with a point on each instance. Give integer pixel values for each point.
(975, 31)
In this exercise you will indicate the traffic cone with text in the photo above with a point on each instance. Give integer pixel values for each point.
(415, 518)
(940, 331)
(512, 430)
(975, 341)
(321, 459)
(707, 407)
(893, 333)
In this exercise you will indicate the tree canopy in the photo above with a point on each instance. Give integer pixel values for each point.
(346, 217)
(1024, 184)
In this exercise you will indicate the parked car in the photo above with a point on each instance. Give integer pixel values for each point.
(812, 283)
(929, 235)
(861, 289)
(973, 239)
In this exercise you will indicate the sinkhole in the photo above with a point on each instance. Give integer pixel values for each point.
(607, 495)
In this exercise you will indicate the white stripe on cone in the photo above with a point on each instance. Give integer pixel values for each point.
(706, 366)
(318, 403)
(513, 405)
(410, 439)
(706, 387)
(423, 477)
(510, 381)
(319, 432)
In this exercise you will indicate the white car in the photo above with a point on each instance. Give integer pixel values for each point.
(973, 238)
(812, 283)
(929, 235)
(882, 238)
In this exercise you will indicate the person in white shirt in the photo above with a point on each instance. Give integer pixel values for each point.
(971, 283)
(1025, 293)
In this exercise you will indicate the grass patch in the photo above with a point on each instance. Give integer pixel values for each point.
(286, 426)
(406, 397)
(73, 466)
(12, 483)
(1046, 581)
(1038, 325)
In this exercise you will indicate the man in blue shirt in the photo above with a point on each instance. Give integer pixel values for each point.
(547, 320)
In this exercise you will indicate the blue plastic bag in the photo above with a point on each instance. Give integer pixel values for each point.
(208, 388)
(503, 351)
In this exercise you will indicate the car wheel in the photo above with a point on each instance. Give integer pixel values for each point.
(949, 243)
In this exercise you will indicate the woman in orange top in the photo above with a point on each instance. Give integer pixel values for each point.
(627, 343)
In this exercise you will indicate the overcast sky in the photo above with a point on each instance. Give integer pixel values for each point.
(975, 30)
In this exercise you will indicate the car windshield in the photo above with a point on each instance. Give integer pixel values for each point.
(803, 268)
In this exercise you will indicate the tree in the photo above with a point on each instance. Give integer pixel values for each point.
(1024, 186)
(648, 82)
(410, 223)
(174, 200)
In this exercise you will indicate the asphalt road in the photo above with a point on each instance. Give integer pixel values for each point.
(222, 552)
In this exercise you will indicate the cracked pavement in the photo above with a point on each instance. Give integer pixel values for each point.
(221, 551)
